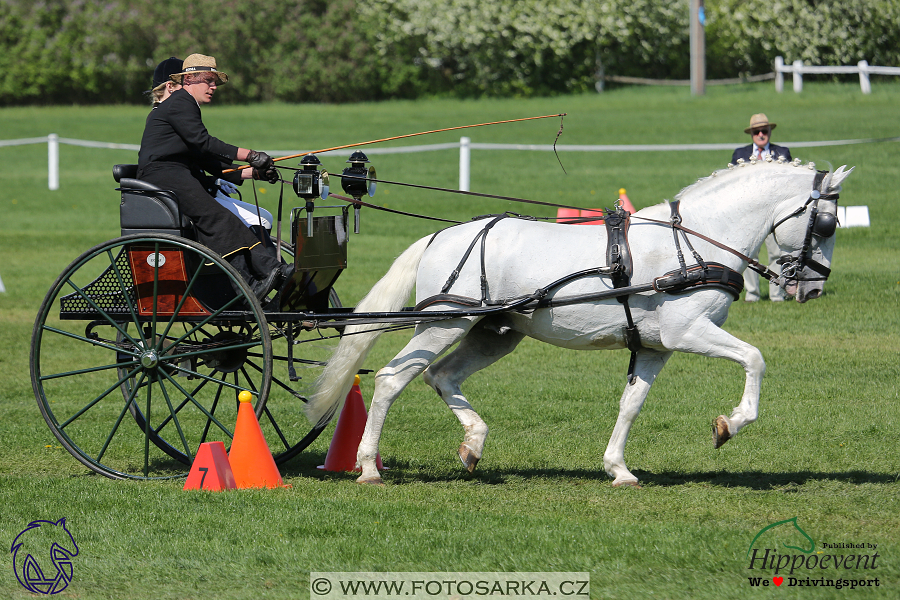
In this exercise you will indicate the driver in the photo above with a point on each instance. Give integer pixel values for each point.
(175, 151)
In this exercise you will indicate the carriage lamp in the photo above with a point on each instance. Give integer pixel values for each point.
(358, 181)
(309, 182)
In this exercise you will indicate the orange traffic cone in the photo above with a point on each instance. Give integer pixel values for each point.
(592, 213)
(566, 215)
(348, 433)
(250, 457)
(211, 469)
(626, 203)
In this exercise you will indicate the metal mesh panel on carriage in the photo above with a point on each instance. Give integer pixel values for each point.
(106, 292)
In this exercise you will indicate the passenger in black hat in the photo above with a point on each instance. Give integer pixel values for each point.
(163, 85)
(175, 151)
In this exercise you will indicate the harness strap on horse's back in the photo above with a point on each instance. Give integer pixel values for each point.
(480, 236)
(675, 220)
(675, 223)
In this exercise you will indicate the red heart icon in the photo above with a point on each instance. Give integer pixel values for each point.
(778, 580)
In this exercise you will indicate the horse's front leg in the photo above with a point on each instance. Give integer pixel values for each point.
(714, 342)
(647, 366)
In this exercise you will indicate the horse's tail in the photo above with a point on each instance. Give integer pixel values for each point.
(389, 295)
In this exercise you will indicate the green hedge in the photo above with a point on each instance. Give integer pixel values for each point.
(83, 51)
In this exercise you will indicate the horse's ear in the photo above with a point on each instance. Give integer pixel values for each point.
(839, 176)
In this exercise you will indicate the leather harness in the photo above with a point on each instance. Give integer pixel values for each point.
(619, 269)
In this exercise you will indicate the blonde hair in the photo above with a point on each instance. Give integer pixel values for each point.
(157, 93)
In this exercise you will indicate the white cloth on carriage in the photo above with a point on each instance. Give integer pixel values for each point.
(245, 211)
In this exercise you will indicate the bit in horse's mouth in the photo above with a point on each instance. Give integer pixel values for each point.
(791, 289)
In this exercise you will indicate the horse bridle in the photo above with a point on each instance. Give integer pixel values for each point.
(822, 224)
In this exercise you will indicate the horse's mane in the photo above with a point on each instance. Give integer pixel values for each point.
(753, 164)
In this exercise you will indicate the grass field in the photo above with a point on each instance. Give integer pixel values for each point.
(825, 449)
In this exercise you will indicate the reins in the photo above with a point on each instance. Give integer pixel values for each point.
(676, 225)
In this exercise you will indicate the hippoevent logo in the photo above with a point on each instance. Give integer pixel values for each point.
(784, 554)
(42, 556)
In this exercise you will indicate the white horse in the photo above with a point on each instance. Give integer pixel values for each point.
(738, 207)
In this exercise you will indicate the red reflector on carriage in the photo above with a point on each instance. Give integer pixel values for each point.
(171, 282)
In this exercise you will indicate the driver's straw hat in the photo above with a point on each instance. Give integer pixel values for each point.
(198, 63)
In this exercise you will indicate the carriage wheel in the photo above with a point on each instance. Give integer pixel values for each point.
(283, 415)
(157, 317)
(282, 418)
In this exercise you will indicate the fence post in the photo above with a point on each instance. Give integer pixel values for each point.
(53, 161)
(864, 77)
(464, 164)
(779, 74)
(798, 76)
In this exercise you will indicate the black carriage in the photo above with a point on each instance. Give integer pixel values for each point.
(143, 344)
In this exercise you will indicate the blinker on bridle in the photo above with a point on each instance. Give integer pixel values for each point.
(822, 224)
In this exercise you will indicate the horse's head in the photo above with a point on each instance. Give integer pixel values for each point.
(805, 235)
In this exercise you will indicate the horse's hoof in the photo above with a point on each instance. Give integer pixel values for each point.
(720, 431)
(468, 458)
(371, 481)
(632, 483)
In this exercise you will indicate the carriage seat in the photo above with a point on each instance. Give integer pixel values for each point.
(146, 208)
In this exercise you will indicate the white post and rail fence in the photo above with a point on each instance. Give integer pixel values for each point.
(465, 147)
(798, 69)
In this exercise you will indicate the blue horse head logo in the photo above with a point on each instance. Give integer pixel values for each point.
(42, 556)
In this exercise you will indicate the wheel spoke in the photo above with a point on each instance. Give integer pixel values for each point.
(181, 355)
(81, 338)
(174, 418)
(201, 324)
(155, 295)
(287, 444)
(180, 406)
(98, 399)
(88, 370)
(147, 431)
(278, 381)
(200, 406)
(126, 296)
(208, 377)
(212, 410)
(304, 361)
(115, 428)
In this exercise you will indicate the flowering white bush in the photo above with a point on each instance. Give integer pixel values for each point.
(90, 51)
(521, 47)
(747, 36)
